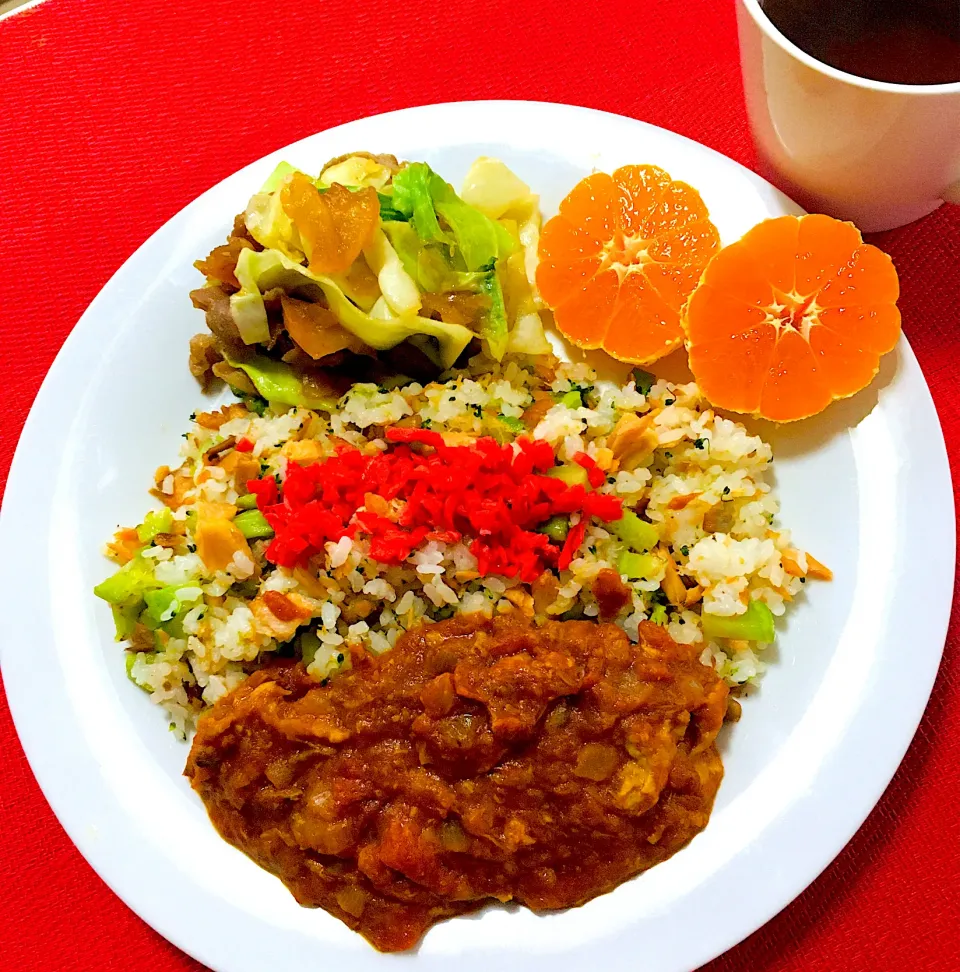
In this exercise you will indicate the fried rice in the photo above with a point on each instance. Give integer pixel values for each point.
(699, 478)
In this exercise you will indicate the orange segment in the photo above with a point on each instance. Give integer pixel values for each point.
(591, 306)
(792, 374)
(823, 247)
(748, 354)
(593, 205)
(679, 205)
(792, 316)
(772, 258)
(573, 257)
(621, 258)
(875, 328)
(642, 325)
(845, 366)
(672, 282)
(641, 188)
(866, 278)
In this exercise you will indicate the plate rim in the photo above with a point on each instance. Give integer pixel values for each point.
(16, 676)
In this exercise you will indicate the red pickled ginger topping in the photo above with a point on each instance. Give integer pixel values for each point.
(492, 497)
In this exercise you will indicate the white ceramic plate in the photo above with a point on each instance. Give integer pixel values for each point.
(866, 486)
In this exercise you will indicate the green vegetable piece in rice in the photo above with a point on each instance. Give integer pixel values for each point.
(125, 618)
(634, 532)
(643, 380)
(309, 646)
(659, 614)
(639, 566)
(513, 424)
(253, 525)
(572, 475)
(130, 661)
(572, 399)
(755, 624)
(131, 581)
(248, 502)
(156, 521)
(556, 528)
(247, 589)
(168, 602)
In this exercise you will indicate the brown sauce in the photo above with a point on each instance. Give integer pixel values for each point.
(477, 760)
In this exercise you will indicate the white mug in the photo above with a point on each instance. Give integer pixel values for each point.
(876, 153)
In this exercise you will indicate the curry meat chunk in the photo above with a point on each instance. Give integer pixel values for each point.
(479, 759)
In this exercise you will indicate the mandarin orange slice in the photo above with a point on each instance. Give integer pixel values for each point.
(620, 259)
(792, 316)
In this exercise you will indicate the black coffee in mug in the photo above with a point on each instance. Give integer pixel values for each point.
(901, 41)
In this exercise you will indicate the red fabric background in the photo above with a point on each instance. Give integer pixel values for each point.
(114, 115)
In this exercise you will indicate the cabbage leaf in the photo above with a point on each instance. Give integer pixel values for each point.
(396, 285)
(357, 171)
(493, 324)
(278, 177)
(412, 197)
(266, 220)
(388, 212)
(260, 271)
(430, 266)
(277, 382)
(493, 189)
(422, 195)
(527, 336)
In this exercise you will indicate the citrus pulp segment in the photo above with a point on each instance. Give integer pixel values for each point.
(791, 317)
(619, 260)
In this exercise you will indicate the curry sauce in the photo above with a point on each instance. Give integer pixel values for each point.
(479, 759)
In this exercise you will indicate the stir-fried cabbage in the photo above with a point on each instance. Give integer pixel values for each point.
(381, 311)
(278, 177)
(431, 266)
(492, 188)
(358, 170)
(529, 233)
(422, 195)
(429, 241)
(359, 283)
(498, 192)
(526, 336)
(493, 325)
(266, 220)
(277, 382)
(481, 240)
(396, 285)
(412, 197)
(266, 269)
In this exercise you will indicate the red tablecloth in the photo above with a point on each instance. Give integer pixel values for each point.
(114, 115)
